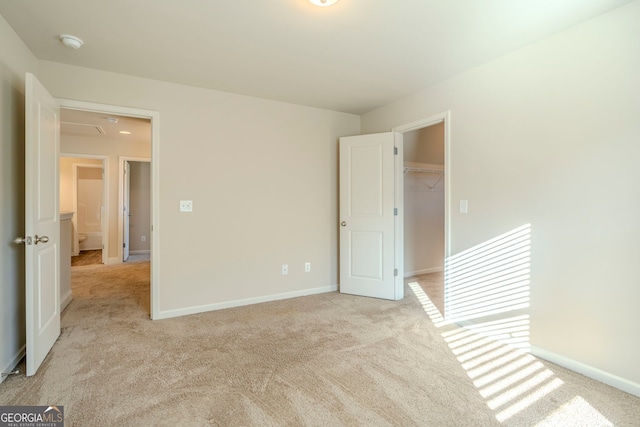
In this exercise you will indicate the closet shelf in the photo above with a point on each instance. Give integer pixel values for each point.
(423, 168)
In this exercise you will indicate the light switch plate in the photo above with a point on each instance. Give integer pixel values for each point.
(464, 206)
(186, 206)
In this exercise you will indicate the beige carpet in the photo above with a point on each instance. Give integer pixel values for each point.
(324, 360)
(87, 258)
(433, 285)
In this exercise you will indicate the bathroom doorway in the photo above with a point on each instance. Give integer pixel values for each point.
(83, 190)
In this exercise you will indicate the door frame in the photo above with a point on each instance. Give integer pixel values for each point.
(154, 117)
(105, 198)
(121, 161)
(444, 117)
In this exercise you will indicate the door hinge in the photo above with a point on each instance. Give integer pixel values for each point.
(395, 211)
(124, 245)
(395, 272)
(395, 151)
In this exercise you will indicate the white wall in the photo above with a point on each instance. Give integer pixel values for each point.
(549, 135)
(15, 60)
(262, 176)
(140, 207)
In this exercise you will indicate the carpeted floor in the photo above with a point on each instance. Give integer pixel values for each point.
(87, 258)
(323, 360)
(433, 285)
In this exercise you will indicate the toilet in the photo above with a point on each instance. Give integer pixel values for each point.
(82, 237)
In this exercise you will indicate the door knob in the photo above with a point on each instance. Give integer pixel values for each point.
(43, 239)
(22, 240)
(343, 223)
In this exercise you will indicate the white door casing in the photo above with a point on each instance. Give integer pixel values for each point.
(126, 211)
(367, 220)
(42, 224)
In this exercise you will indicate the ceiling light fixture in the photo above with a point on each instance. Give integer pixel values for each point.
(70, 41)
(323, 2)
(125, 132)
(112, 120)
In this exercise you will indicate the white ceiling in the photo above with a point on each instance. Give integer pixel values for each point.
(354, 56)
(86, 123)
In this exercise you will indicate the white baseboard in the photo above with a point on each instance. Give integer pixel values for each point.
(139, 252)
(589, 371)
(248, 301)
(65, 300)
(114, 260)
(425, 271)
(14, 362)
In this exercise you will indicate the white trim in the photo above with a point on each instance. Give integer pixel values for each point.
(65, 300)
(154, 116)
(589, 371)
(242, 302)
(114, 261)
(419, 124)
(14, 362)
(424, 271)
(398, 142)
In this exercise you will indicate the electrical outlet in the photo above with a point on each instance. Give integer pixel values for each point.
(143, 238)
(186, 206)
(285, 269)
(307, 267)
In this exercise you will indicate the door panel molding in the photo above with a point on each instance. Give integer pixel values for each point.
(42, 224)
(367, 220)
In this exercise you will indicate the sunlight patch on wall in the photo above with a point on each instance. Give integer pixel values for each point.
(494, 278)
(491, 278)
(510, 379)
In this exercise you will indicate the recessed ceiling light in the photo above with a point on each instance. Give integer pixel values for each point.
(125, 132)
(323, 2)
(70, 41)
(112, 120)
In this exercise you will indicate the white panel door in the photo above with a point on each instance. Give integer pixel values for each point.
(367, 237)
(126, 214)
(42, 224)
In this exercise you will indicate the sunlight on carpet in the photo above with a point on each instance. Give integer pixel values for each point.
(511, 380)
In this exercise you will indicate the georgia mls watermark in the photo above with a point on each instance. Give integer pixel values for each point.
(31, 416)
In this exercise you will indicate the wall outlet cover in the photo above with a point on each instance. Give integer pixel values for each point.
(186, 206)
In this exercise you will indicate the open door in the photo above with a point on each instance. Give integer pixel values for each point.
(126, 196)
(42, 224)
(367, 217)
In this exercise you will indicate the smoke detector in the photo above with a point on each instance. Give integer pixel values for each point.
(70, 41)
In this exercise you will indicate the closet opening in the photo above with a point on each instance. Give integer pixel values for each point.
(424, 209)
